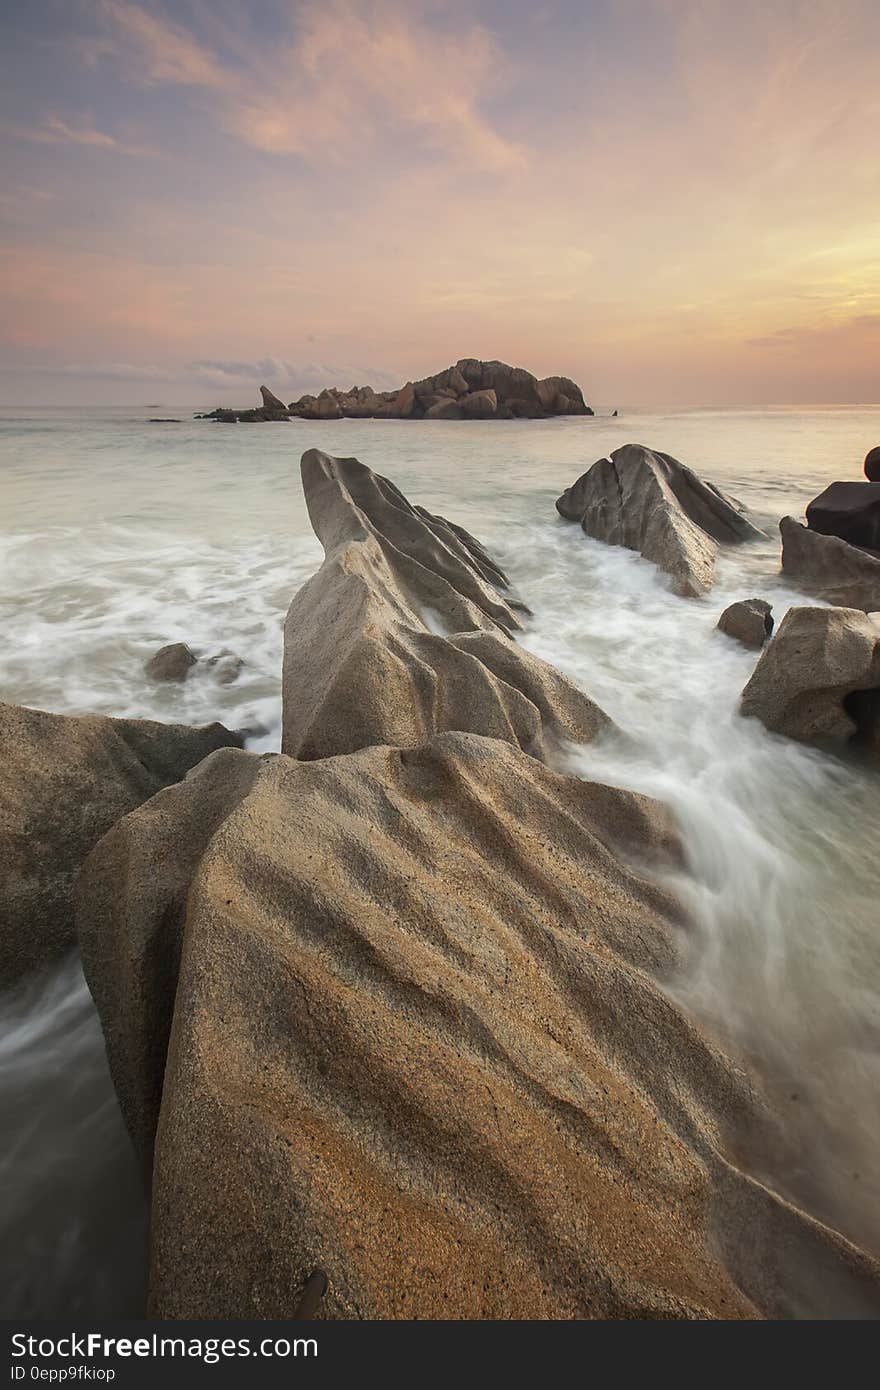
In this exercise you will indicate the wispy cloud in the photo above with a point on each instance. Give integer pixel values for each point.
(337, 82)
(860, 327)
(55, 131)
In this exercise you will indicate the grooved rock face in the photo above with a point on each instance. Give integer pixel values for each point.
(64, 781)
(648, 501)
(417, 1043)
(830, 568)
(406, 630)
(803, 684)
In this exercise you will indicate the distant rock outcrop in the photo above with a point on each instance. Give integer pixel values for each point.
(749, 621)
(819, 679)
(64, 780)
(471, 390)
(648, 501)
(829, 567)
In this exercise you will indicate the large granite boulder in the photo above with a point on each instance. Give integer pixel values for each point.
(850, 511)
(648, 501)
(416, 1041)
(749, 621)
(829, 568)
(64, 781)
(444, 408)
(817, 680)
(479, 405)
(406, 630)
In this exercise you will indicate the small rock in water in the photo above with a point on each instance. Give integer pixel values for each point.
(749, 621)
(171, 663)
(225, 666)
(872, 465)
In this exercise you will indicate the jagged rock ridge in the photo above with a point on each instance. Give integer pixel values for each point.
(647, 501)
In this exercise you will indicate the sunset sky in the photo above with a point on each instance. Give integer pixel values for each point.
(673, 201)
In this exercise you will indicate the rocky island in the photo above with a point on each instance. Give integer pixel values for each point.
(470, 390)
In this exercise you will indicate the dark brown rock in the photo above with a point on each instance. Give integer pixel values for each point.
(64, 781)
(850, 511)
(272, 405)
(749, 621)
(872, 465)
(171, 663)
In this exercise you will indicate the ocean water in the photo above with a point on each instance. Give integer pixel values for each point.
(117, 536)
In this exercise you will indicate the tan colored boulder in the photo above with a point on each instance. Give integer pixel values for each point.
(171, 663)
(748, 621)
(479, 405)
(559, 395)
(327, 406)
(405, 403)
(406, 630)
(648, 501)
(417, 1043)
(64, 780)
(812, 681)
(829, 568)
(444, 408)
(457, 382)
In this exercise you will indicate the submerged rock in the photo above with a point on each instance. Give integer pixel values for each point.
(415, 1041)
(805, 680)
(225, 667)
(406, 630)
(177, 662)
(64, 780)
(830, 568)
(749, 621)
(648, 501)
(171, 663)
